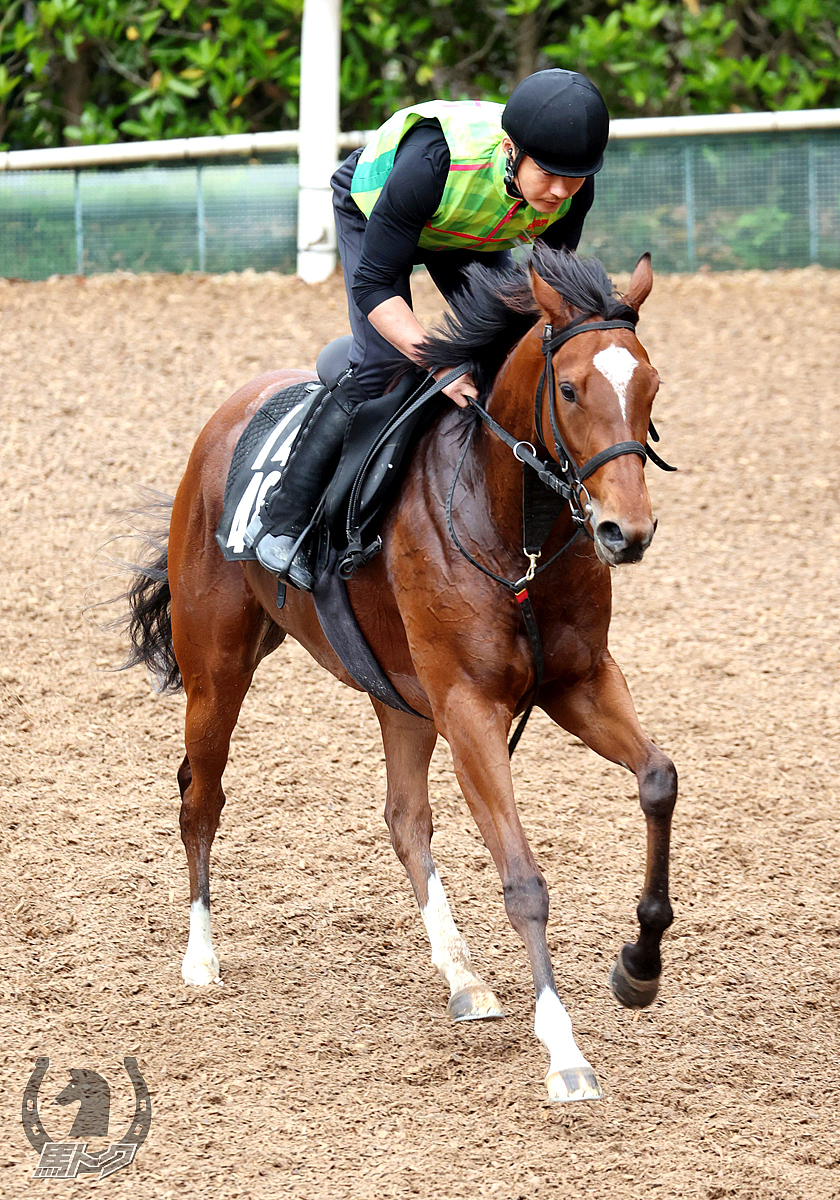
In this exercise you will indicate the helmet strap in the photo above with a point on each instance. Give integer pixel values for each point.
(511, 167)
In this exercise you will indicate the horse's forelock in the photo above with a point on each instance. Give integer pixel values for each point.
(583, 283)
(495, 309)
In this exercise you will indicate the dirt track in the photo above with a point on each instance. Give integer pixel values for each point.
(325, 1065)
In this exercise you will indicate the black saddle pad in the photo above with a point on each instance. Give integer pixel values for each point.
(379, 439)
(258, 461)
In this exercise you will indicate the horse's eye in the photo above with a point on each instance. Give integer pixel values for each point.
(568, 393)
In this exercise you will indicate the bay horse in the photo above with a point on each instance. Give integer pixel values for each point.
(438, 618)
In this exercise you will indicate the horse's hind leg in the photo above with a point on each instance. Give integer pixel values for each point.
(216, 641)
(214, 698)
(600, 712)
(409, 742)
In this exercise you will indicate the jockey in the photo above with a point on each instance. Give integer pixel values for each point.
(442, 184)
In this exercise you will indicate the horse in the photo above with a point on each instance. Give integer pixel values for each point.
(552, 347)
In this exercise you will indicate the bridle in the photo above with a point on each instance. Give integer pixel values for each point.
(564, 476)
(572, 475)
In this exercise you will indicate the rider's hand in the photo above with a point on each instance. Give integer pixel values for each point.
(460, 388)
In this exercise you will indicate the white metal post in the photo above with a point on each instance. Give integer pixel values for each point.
(78, 223)
(320, 64)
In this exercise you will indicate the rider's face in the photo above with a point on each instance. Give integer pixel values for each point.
(543, 191)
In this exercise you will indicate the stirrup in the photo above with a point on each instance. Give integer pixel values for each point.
(284, 555)
(255, 529)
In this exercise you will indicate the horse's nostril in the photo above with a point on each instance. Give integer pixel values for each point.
(610, 535)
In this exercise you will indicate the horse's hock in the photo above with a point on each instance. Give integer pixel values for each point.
(329, 1032)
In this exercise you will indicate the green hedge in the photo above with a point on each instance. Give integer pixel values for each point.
(85, 71)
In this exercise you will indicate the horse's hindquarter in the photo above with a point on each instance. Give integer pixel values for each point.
(204, 586)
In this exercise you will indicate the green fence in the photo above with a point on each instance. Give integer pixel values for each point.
(197, 218)
(726, 202)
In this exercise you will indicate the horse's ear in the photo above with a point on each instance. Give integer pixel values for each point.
(641, 281)
(549, 301)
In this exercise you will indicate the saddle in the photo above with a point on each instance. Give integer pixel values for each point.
(380, 437)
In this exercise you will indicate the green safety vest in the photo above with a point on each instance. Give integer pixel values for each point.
(475, 211)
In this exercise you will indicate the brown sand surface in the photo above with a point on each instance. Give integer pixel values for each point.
(325, 1066)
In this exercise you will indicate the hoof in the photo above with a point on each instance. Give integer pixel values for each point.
(474, 1004)
(200, 971)
(632, 993)
(575, 1083)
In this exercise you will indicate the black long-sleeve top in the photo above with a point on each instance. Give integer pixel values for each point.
(411, 195)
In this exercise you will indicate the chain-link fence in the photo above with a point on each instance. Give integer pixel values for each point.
(197, 218)
(725, 202)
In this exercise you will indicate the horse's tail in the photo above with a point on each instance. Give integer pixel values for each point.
(149, 617)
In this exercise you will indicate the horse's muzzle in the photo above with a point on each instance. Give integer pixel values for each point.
(617, 543)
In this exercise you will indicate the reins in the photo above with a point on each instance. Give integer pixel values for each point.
(564, 477)
(519, 587)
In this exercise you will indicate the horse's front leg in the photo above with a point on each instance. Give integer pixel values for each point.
(477, 734)
(409, 742)
(600, 712)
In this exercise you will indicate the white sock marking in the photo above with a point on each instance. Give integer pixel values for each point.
(200, 965)
(617, 365)
(553, 1027)
(449, 950)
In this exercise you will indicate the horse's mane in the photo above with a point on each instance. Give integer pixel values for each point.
(494, 309)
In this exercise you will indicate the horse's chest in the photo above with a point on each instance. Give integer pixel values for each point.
(571, 651)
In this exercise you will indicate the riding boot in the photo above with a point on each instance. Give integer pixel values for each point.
(279, 531)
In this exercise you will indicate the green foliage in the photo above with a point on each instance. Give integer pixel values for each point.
(754, 235)
(657, 57)
(107, 70)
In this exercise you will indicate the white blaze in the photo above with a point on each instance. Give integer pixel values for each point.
(617, 365)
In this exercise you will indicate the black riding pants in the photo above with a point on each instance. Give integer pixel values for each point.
(373, 359)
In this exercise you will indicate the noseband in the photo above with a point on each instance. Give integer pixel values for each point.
(572, 475)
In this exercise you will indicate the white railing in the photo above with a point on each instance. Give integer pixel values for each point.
(232, 145)
(253, 144)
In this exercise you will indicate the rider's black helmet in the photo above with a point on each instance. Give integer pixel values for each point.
(560, 120)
